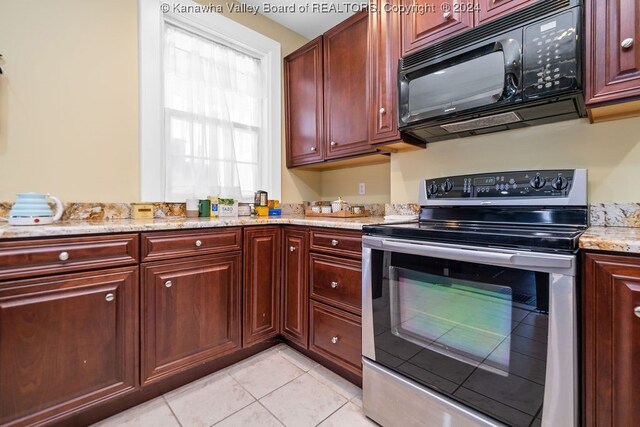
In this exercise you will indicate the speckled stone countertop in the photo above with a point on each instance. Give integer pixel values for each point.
(615, 239)
(70, 228)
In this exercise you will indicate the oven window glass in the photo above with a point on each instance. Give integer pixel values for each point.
(459, 87)
(473, 332)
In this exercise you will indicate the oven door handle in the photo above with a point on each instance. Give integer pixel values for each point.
(512, 259)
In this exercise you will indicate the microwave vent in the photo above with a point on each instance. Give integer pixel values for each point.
(533, 12)
(482, 122)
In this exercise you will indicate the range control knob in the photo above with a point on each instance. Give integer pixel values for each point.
(559, 183)
(433, 188)
(537, 182)
(447, 186)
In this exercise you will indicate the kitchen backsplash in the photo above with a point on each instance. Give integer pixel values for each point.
(615, 214)
(111, 211)
(602, 214)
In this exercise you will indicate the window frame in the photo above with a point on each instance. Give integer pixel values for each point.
(151, 81)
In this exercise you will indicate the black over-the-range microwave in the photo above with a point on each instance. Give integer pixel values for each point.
(521, 70)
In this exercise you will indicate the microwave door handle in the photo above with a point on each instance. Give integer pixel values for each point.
(515, 260)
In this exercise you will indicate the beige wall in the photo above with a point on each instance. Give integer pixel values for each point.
(69, 99)
(610, 150)
(344, 183)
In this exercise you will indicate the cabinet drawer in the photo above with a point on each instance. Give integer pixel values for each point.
(336, 335)
(174, 244)
(337, 282)
(47, 256)
(337, 242)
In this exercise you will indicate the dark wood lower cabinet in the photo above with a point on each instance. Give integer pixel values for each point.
(66, 342)
(336, 335)
(295, 293)
(611, 339)
(191, 313)
(261, 316)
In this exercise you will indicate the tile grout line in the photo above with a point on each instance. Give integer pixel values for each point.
(166, 402)
(272, 414)
(329, 416)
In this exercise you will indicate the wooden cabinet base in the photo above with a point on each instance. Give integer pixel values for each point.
(105, 409)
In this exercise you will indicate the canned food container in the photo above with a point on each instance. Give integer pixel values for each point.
(262, 211)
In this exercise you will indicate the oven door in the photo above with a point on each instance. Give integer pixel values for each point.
(484, 329)
(480, 77)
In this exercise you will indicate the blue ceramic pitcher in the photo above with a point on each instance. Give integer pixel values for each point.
(33, 209)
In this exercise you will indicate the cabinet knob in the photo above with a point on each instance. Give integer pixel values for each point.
(333, 143)
(334, 340)
(313, 149)
(446, 15)
(198, 243)
(109, 297)
(63, 256)
(334, 242)
(292, 248)
(168, 284)
(627, 43)
(636, 311)
(382, 110)
(334, 285)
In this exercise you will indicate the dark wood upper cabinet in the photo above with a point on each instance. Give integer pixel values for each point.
(612, 50)
(488, 10)
(295, 295)
(304, 98)
(384, 53)
(261, 317)
(435, 24)
(66, 342)
(191, 313)
(346, 104)
(611, 340)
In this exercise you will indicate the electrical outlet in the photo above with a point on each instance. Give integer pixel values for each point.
(361, 189)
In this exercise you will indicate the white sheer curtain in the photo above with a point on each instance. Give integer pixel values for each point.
(213, 113)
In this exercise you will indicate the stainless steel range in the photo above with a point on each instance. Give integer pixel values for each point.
(469, 314)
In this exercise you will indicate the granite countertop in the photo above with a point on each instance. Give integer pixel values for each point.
(616, 239)
(68, 228)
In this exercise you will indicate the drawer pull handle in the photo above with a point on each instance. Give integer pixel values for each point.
(198, 243)
(109, 297)
(334, 340)
(313, 149)
(334, 242)
(292, 248)
(446, 15)
(63, 256)
(636, 311)
(334, 285)
(382, 110)
(168, 284)
(627, 43)
(333, 143)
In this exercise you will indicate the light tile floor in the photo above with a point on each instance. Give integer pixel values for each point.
(276, 387)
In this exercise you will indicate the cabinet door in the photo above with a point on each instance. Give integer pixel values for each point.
(304, 99)
(345, 89)
(261, 284)
(437, 22)
(488, 10)
(295, 322)
(612, 63)
(191, 313)
(384, 53)
(611, 340)
(65, 342)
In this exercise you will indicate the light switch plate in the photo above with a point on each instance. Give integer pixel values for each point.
(361, 189)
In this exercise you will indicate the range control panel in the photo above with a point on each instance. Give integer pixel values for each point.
(533, 183)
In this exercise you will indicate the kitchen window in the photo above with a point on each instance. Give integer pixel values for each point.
(210, 107)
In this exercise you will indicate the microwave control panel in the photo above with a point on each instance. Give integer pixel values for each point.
(540, 183)
(551, 54)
